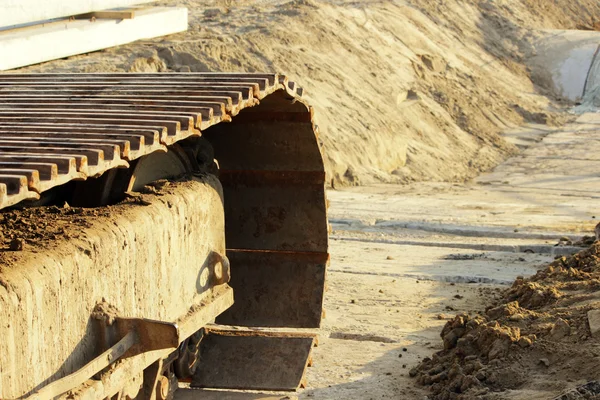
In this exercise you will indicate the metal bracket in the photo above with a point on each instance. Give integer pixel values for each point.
(221, 268)
(138, 343)
(151, 335)
(137, 336)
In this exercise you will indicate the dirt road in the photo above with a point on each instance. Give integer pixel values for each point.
(407, 258)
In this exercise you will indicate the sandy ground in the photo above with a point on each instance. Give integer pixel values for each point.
(373, 266)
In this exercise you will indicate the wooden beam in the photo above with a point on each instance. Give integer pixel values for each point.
(39, 43)
(17, 12)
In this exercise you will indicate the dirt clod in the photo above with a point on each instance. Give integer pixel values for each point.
(103, 311)
(560, 329)
(590, 390)
(17, 244)
(547, 317)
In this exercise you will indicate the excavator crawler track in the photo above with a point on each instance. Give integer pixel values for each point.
(87, 124)
(101, 136)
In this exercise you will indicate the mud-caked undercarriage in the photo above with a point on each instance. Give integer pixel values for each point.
(157, 227)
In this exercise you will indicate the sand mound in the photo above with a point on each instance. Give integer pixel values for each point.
(536, 338)
(403, 90)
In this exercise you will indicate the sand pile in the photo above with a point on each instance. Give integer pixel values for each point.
(541, 336)
(403, 91)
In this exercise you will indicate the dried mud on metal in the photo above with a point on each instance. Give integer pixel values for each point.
(29, 229)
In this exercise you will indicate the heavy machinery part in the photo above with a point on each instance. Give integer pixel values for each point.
(238, 359)
(159, 165)
(269, 297)
(134, 110)
(56, 319)
(137, 336)
(188, 353)
(103, 134)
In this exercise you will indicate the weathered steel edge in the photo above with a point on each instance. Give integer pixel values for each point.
(280, 82)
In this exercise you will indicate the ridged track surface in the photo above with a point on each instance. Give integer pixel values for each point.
(55, 128)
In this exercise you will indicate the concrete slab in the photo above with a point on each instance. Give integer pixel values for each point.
(15, 12)
(566, 55)
(63, 38)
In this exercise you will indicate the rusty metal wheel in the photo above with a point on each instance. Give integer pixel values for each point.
(186, 363)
